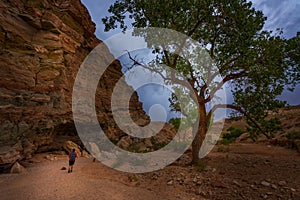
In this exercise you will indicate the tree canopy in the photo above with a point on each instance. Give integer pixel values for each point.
(257, 64)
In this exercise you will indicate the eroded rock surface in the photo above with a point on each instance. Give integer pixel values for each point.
(42, 45)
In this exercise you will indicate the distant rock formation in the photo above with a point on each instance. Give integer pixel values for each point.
(42, 45)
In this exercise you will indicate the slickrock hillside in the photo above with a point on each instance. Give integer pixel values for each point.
(42, 45)
(288, 135)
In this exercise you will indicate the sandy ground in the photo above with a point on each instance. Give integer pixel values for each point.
(89, 180)
(47, 181)
(246, 171)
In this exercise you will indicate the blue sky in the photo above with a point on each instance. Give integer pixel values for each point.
(280, 13)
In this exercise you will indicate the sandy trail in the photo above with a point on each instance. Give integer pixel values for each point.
(46, 181)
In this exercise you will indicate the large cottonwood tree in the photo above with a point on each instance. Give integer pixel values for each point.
(257, 64)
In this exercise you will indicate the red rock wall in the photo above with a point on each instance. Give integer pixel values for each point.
(42, 44)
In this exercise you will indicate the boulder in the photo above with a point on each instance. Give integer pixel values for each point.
(69, 145)
(17, 169)
(85, 154)
(94, 148)
(8, 155)
(51, 157)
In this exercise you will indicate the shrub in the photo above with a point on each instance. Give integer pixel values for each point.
(231, 135)
(293, 135)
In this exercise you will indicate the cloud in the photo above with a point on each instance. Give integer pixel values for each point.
(121, 43)
(281, 14)
(292, 98)
(152, 94)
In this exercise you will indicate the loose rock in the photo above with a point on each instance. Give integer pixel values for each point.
(282, 183)
(265, 183)
(17, 169)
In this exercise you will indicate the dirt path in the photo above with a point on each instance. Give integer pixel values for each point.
(246, 171)
(88, 181)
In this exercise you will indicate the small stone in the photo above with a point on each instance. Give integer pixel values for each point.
(274, 186)
(63, 168)
(198, 183)
(236, 183)
(200, 192)
(267, 179)
(219, 184)
(293, 190)
(282, 183)
(265, 183)
(170, 182)
(134, 184)
(48, 157)
(269, 193)
(157, 173)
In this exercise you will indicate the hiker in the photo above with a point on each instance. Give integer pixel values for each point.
(72, 156)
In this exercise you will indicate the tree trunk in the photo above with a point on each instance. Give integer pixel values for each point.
(200, 135)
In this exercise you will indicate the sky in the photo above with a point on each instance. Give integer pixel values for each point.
(280, 14)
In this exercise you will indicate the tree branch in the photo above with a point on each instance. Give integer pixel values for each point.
(173, 78)
(135, 62)
(220, 71)
(220, 85)
(239, 109)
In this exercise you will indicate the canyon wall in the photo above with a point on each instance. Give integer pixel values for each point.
(42, 45)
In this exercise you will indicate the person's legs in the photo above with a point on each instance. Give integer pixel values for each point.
(70, 166)
(71, 163)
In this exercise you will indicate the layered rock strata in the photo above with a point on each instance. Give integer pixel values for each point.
(42, 45)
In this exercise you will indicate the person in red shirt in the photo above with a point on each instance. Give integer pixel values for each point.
(72, 157)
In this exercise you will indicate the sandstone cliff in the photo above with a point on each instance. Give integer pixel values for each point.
(43, 43)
